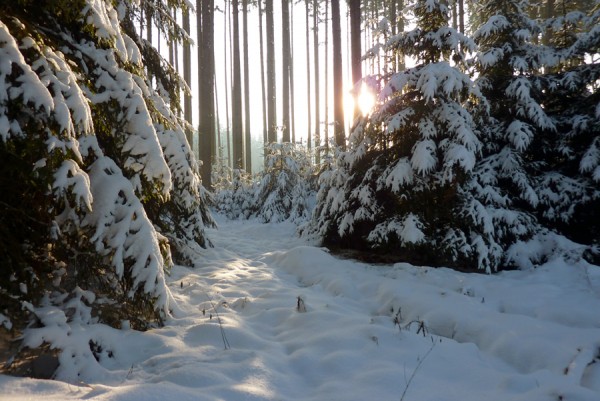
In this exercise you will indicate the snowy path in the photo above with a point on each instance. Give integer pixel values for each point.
(514, 336)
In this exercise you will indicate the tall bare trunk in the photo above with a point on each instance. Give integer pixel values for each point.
(461, 15)
(172, 42)
(326, 118)
(237, 132)
(317, 72)
(285, 70)
(292, 97)
(149, 22)
(226, 30)
(262, 73)
(271, 95)
(356, 53)
(338, 95)
(206, 85)
(187, 77)
(247, 135)
(400, 24)
(308, 102)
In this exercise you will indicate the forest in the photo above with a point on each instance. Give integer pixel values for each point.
(137, 137)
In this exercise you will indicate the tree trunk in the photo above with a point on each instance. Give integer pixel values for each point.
(308, 102)
(187, 77)
(326, 118)
(176, 49)
(292, 97)
(285, 64)
(206, 85)
(338, 95)
(271, 96)
(226, 70)
(400, 23)
(262, 73)
(356, 53)
(548, 13)
(461, 16)
(149, 22)
(172, 42)
(454, 11)
(247, 134)
(237, 130)
(317, 136)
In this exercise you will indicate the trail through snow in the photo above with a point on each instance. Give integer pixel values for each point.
(363, 332)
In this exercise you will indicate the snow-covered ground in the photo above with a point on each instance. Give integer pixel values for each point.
(363, 332)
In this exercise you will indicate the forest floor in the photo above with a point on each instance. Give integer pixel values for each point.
(265, 316)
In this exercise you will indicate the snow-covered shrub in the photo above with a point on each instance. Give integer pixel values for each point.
(100, 184)
(234, 193)
(283, 191)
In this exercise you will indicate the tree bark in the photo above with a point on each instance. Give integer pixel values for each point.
(262, 73)
(172, 42)
(317, 136)
(226, 70)
(187, 77)
(326, 117)
(338, 95)
(355, 50)
(271, 96)
(206, 88)
(237, 130)
(461, 16)
(292, 97)
(247, 134)
(285, 64)
(308, 102)
(400, 24)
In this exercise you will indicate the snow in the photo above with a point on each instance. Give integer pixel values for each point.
(518, 335)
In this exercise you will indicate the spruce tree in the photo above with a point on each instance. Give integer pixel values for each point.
(99, 185)
(570, 178)
(403, 187)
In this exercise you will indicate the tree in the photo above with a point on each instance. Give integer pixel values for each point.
(283, 190)
(308, 102)
(317, 72)
(102, 188)
(206, 88)
(271, 94)
(568, 186)
(247, 134)
(236, 94)
(356, 53)
(187, 77)
(403, 186)
(285, 75)
(262, 73)
(338, 86)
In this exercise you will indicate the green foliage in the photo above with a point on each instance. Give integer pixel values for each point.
(94, 162)
(447, 171)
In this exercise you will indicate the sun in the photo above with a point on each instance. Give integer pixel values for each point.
(366, 100)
